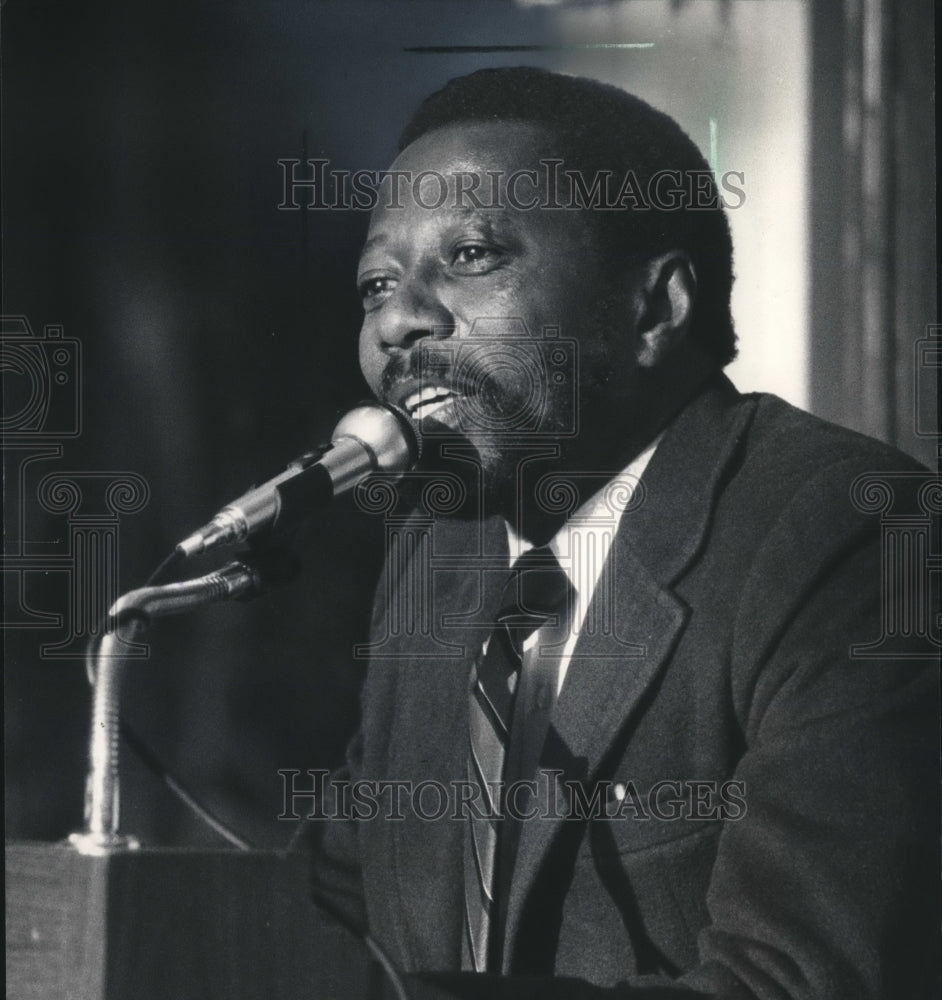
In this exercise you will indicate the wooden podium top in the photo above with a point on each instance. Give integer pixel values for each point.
(173, 924)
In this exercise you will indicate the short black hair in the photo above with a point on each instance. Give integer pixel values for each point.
(602, 128)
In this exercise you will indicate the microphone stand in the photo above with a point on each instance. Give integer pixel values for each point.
(371, 437)
(133, 613)
(88, 959)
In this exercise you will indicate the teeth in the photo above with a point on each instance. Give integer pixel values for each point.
(424, 410)
(426, 400)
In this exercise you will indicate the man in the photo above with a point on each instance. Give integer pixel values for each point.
(716, 796)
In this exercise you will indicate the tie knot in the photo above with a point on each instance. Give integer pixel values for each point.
(536, 589)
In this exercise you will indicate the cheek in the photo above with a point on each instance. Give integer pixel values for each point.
(370, 360)
(563, 305)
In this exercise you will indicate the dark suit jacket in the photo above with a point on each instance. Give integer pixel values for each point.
(742, 580)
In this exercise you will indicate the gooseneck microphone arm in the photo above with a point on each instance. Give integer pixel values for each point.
(129, 617)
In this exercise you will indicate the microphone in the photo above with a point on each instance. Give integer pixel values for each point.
(372, 437)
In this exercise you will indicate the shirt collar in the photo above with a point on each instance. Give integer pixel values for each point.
(591, 528)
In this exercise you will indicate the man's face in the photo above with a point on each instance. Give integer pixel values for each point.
(503, 327)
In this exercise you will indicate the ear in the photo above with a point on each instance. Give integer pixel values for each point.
(666, 292)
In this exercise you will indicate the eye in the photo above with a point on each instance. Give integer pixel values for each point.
(475, 258)
(373, 289)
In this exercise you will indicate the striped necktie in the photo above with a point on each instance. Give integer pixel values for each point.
(534, 593)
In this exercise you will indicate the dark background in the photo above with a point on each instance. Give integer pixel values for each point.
(140, 193)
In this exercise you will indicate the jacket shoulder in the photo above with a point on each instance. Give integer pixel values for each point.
(792, 442)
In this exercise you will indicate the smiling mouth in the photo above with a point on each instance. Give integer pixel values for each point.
(428, 400)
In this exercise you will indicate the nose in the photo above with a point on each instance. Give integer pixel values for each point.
(413, 312)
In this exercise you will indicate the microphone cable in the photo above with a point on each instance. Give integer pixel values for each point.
(153, 763)
(164, 567)
(379, 953)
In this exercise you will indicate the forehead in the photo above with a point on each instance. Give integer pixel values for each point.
(495, 172)
(477, 147)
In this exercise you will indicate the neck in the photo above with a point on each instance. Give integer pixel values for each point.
(609, 441)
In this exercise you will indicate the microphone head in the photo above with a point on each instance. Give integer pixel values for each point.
(385, 432)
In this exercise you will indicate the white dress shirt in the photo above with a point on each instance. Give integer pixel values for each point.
(582, 546)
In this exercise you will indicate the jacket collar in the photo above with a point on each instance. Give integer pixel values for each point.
(614, 667)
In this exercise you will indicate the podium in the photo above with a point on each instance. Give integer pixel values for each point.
(173, 924)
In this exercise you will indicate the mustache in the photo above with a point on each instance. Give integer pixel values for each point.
(398, 369)
(431, 366)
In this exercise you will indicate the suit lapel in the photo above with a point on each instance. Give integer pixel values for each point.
(429, 740)
(610, 673)
(607, 679)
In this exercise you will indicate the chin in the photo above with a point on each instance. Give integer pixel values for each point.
(479, 469)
